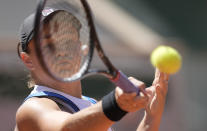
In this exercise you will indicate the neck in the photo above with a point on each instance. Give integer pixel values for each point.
(71, 88)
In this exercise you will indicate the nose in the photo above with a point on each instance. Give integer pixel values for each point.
(63, 54)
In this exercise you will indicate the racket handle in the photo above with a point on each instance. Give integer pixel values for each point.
(124, 83)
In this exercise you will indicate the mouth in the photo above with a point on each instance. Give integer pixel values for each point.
(64, 65)
(63, 68)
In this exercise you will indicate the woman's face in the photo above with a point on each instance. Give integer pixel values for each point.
(38, 74)
(61, 49)
(62, 52)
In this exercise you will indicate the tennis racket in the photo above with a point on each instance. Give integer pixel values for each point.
(65, 39)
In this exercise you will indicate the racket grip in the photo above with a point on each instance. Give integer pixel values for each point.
(124, 83)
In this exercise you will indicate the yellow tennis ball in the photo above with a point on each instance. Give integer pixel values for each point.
(166, 59)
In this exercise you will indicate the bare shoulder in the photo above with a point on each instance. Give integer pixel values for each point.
(33, 111)
(36, 105)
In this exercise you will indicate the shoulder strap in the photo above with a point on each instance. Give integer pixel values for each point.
(51, 94)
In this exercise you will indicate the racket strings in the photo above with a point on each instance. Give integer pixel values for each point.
(67, 38)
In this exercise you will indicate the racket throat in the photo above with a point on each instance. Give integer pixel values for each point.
(121, 80)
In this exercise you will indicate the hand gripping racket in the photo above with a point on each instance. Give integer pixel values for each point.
(65, 38)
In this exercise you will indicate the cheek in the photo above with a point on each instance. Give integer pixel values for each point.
(35, 62)
(33, 55)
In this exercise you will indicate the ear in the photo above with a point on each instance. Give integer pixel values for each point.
(27, 60)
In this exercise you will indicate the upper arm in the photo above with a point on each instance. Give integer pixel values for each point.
(40, 114)
(45, 115)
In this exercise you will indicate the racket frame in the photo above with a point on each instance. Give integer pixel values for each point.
(37, 42)
(116, 76)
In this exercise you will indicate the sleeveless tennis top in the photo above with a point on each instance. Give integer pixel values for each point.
(66, 102)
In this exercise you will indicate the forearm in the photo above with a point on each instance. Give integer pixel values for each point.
(89, 119)
(150, 123)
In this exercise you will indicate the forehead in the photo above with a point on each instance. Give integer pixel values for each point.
(62, 18)
(61, 24)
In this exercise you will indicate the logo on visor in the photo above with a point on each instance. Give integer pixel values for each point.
(47, 11)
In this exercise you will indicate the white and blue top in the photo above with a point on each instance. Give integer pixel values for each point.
(66, 102)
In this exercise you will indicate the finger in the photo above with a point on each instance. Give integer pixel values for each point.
(161, 77)
(157, 72)
(166, 77)
(137, 83)
(140, 85)
(149, 90)
(156, 77)
(120, 92)
(141, 98)
(164, 80)
(143, 92)
(161, 90)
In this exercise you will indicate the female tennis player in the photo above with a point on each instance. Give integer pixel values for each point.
(58, 106)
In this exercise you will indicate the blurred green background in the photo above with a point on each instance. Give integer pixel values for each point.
(129, 31)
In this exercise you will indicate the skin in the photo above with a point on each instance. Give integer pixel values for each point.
(92, 118)
(155, 106)
(43, 114)
(52, 118)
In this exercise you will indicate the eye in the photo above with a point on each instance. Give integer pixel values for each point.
(49, 47)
